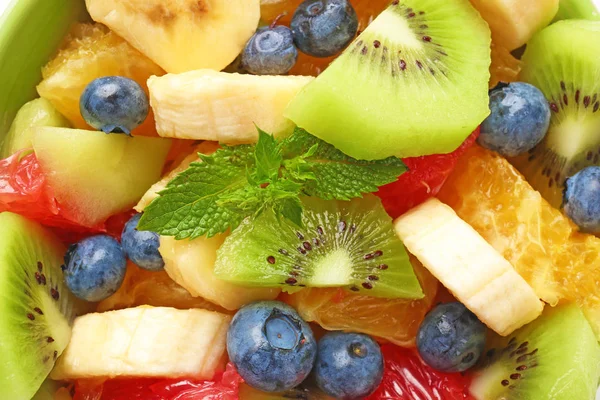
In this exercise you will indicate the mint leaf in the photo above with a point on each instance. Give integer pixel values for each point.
(189, 206)
(268, 158)
(336, 175)
(216, 194)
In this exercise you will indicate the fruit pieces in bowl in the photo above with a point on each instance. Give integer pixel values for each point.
(538, 240)
(568, 76)
(92, 51)
(412, 54)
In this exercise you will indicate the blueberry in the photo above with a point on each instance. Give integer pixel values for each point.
(519, 119)
(95, 268)
(451, 338)
(114, 104)
(141, 247)
(582, 199)
(272, 348)
(322, 28)
(270, 51)
(349, 365)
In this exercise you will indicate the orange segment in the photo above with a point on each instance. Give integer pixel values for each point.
(395, 320)
(156, 289)
(92, 51)
(504, 67)
(366, 10)
(541, 243)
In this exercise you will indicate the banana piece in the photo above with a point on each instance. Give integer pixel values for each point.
(191, 264)
(220, 106)
(468, 266)
(145, 342)
(181, 35)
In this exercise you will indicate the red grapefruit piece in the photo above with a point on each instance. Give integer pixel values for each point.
(424, 179)
(407, 377)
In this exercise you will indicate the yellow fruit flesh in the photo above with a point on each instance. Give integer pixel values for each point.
(191, 263)
(395, 320)
(92, 51)
(157, 289)
(542, 244)
(181, 35)
(513, 22)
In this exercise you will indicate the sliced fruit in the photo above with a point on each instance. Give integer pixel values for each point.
(406, 376)
(24, 190)
(555, 357)
(396, 320)
(92, 51)
(541, 243)
(468, 266)
(348, 244)
(424, 179)
(38, 112)
(406, 81)
(224, 386)
(37, 309)
(514, 22)
(560, 62)
(224, 107)
(145, 342)
(191, 263)
(95, 175)
(181, 35)
(142, 287)
(504, 68)
(52, 390)
(577, 9)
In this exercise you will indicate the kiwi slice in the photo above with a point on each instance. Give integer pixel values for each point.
(49, 389)
(415, 82)
(36, 309)
(348, 244)
(555, 357)
(562, 61)
(577, 9)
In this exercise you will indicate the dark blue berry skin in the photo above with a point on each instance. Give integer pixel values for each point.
(114, 104)
(95, 268)
(141, 247)
(322, 28)
(272, 348)
(349, 365)
(451, 338)
(519, 119)
(582, 199)
(270, 51)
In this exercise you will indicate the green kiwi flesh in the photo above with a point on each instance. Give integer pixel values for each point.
(415, 82)
(562, 61)
(38, 112)
(48, 390)
(554, 357)
(348, 244)
(577, 9)
(36, 309)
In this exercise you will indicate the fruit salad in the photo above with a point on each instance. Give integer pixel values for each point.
(307, 199)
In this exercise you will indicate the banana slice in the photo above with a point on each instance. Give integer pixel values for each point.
(220, 106)
(147, 342)
(181, 35)
(191, 264)
(468, 266)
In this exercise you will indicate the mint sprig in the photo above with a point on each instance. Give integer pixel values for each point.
(216, 193)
